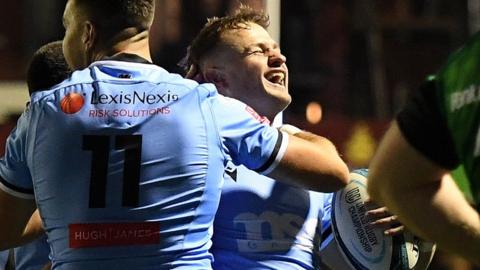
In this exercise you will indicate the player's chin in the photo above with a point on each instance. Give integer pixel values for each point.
(282, 99)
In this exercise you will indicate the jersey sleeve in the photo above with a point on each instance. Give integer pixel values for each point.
(424, 127)
(246, 137)
(15, 177)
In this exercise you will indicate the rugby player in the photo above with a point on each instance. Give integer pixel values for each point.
(434, 133)
(262, 223)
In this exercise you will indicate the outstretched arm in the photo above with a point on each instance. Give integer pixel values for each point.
(424, 196)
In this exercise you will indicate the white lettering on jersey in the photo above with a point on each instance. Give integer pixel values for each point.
(271, 231)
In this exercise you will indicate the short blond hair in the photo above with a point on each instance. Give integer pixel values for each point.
(211, 33)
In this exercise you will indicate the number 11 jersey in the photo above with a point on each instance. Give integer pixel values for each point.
(126, 163)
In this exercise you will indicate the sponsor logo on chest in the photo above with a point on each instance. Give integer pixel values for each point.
(133, 98)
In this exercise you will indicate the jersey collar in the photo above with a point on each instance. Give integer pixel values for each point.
(128, 57)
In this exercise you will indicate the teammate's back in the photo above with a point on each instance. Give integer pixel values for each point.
(138, 149)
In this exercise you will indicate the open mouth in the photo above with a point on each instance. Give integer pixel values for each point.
(276, 77)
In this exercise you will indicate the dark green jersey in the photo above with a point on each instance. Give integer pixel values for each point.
(442, 119)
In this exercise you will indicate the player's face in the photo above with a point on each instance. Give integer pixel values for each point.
(255, 70)
(73, 46)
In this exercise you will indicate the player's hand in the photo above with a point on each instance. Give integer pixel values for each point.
(380, 218)
(289, 129)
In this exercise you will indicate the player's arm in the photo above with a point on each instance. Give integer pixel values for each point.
(268, 151)
(403, 179)
(311, 137)
(15, 214)
(311, 161)
(34, 228)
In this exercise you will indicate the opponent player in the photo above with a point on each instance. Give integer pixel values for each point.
(261, 223)
(434, 133)
(127, 160)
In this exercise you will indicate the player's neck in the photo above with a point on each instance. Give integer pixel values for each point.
(137, 44)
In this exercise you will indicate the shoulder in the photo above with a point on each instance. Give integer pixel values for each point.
(80, 77)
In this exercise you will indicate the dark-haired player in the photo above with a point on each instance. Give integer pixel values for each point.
(46, 69)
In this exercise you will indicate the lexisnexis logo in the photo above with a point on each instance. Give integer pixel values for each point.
(133, 98)
(72, 103)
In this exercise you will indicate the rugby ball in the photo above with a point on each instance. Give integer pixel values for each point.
(367, 248)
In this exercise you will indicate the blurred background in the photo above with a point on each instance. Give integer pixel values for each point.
(352, 63)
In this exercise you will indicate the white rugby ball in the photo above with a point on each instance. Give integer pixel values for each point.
(366, 248)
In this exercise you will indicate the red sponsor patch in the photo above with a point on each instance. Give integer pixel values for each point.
(261, 119)
(113, 234)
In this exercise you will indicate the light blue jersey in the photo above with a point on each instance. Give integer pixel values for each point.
(264, 224)
(32, 256)
(126, 162)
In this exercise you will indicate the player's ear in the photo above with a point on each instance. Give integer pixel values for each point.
(89, 35)
(217, 77)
